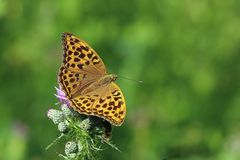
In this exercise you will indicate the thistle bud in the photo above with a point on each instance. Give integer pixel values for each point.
(71, 147)
(62, 127)
(55, 115)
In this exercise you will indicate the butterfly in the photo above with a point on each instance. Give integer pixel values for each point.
(90, 90)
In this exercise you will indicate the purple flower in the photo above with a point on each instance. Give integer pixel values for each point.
(61, 96)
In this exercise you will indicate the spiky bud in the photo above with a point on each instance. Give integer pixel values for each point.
(66, 110)
(55, 115)
(71, 147)
(62, 127)
(85, 124)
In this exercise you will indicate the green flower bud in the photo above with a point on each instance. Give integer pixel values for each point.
(85, 124)
(55, 115)
(71, 147)
(62, 127)
(66, 110)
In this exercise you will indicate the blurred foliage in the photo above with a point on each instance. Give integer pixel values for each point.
(186, 52)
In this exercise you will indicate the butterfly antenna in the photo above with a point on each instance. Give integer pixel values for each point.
(139, 81)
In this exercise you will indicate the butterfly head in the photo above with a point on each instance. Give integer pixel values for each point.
(114, 77)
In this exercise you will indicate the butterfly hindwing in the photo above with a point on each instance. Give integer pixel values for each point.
(106, 102)
(116, 105)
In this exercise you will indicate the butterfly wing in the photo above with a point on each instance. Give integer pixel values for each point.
(106, 102)
(79, 56)
(81, 65)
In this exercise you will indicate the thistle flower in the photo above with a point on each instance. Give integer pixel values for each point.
(85, 134)
(61, 96)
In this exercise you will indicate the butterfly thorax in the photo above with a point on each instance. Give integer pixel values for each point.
(103, 81)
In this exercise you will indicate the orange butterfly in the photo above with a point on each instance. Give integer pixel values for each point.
(88, 87)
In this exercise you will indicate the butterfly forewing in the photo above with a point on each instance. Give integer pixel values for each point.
(82, 67)
(79, 56)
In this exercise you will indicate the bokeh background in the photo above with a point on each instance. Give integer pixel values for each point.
(186, 52)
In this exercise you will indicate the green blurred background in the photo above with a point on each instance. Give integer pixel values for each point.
(186, 52)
